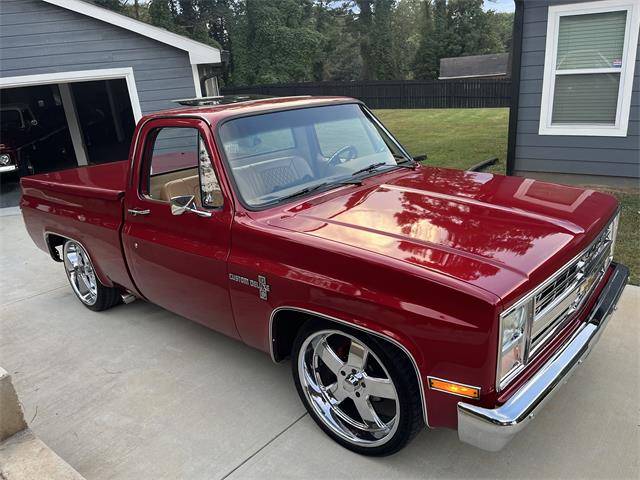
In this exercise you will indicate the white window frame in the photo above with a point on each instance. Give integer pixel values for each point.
(621, 126)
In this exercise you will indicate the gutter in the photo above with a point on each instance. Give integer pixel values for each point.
(516, 62)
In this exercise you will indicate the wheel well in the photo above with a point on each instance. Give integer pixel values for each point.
(53, 242)
(286, 323)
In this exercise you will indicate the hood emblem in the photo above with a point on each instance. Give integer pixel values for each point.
(261, 284)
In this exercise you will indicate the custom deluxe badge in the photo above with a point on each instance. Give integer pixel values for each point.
(261, 284)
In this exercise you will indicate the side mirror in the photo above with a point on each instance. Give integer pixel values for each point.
(186, 203)
(181, 204)
(420, 158)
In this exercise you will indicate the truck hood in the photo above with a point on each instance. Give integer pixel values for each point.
(501, 234)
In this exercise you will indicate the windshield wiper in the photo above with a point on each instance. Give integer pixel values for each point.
(313, 188)
(304, 191)
(405, 162)
(370, 168)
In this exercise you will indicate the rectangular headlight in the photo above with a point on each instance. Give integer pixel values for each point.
(612, 232)
(515, 328)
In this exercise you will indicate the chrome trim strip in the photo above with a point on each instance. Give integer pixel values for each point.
(356, 327)
(491, 429)
(8, 168)
(455, 383)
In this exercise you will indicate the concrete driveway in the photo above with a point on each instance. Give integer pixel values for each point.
(140, 393)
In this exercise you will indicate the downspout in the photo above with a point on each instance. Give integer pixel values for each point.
(516, 61)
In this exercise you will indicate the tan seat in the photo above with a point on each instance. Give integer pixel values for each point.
(267, 176)
(187, 186)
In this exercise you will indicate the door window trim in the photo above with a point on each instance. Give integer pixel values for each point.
(146, 159)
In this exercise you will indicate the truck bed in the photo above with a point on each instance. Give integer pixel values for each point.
(84, 204)
(107, 181)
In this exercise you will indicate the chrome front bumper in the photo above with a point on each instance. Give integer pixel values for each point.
(8, 168)
(492, 429)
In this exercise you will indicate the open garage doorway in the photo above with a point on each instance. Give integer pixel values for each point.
(54, 126)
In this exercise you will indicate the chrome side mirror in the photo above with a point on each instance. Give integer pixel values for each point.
(186, 203)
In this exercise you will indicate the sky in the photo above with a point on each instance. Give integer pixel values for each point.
(500, 5)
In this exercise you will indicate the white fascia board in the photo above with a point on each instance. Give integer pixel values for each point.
(199, 53)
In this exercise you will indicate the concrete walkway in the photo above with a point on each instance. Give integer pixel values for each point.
(140, 393)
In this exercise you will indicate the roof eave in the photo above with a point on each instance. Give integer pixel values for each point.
(199, 53)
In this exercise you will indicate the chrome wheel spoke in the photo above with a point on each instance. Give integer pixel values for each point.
(368, 414)
(358, 354)
(337, 392)
(380, 387)
(329, 357)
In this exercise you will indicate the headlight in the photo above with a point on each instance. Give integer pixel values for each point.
(514, 333)
(5, 159)
(612, 232)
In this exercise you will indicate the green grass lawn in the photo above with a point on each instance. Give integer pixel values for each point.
(455, 138)
(461, 138)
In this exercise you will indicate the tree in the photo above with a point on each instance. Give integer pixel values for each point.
(274, 42)
(381, 41)
(425, 65)
(407, 33)
(469, 31)
(365, 23)
(115, 5)
(161, 14)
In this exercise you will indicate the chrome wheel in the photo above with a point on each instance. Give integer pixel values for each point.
(80, 272)
(348, 388)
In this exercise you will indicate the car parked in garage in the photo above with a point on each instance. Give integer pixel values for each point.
(18, 129)
(404, 295)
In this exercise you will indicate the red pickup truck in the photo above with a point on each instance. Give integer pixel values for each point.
(404, 295)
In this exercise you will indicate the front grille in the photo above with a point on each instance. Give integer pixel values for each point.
(566, 291)
(555, 289)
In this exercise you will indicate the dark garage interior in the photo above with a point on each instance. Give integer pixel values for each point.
(35, 130)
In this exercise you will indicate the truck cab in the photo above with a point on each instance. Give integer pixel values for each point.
(404, 295)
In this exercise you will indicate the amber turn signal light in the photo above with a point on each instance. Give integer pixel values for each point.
(455, 388)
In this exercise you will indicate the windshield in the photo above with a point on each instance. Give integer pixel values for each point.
(275, 156)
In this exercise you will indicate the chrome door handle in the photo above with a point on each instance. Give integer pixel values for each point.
(135, 211)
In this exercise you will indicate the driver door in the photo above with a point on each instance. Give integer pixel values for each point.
(180, 261)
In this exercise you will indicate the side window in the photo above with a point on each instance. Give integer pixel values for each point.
(180, 165)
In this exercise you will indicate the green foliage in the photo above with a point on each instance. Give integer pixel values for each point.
(115, 5)
(273, 41)
(425, 65)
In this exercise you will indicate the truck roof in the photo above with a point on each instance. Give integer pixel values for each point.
(252, 105)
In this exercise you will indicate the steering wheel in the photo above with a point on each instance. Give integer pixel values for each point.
(337, 159)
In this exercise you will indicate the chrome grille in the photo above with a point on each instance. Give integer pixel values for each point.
(555, 289)
(566, 291)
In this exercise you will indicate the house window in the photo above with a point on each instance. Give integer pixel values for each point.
(589, 64)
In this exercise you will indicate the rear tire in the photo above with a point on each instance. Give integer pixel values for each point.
(84, 281)
(358, 389)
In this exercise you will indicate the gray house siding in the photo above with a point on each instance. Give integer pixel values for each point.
(580, 155)
(38, 38)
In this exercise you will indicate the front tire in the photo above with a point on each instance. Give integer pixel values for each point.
(359, 390)
(84, 282)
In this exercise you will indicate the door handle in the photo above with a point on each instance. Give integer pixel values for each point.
(135, 211)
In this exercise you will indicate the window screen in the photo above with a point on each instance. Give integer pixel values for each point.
(591, 41)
